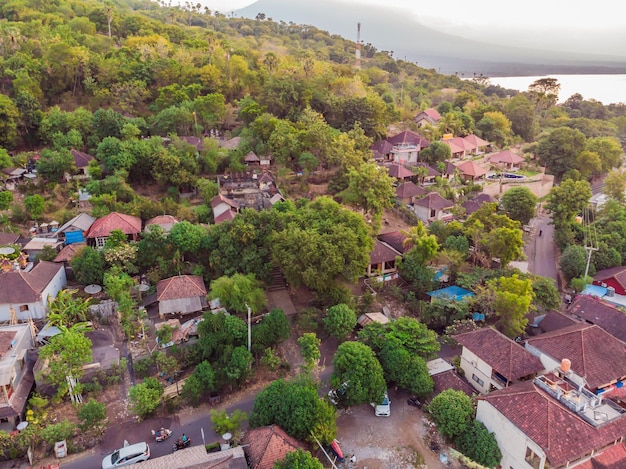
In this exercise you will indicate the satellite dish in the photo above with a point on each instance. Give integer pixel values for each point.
(93, 289)
(21, 426)
(227, 436)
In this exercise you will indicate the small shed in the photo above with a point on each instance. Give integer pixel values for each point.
(451, 293)
(368, 318)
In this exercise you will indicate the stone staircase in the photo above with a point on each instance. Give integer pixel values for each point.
(277, 280)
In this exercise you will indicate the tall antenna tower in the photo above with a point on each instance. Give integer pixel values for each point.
(358, 46)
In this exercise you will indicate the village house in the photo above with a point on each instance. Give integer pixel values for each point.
(593, 310)
(506, 160)
(445, 376)
(16, 373)
(383, 261)
(75, 230)
(408, 191)
(101, 229)
(81, 165)
(401, 148)
(24, 295)
(471, 171)
(491, 360)
(597, 359)
(551, 422)
(433, 207)
(428, 116)
(613, 277)
(182, 294)
(166, 222)
(266, 445)
(223, 208)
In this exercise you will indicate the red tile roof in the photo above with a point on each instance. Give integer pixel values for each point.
(395, 239)
(451, 380)
(382, 253)
(8, 238)
(180, 286)
(222, 199)
(162, 220)
(475, 141)
(455, 147)
(556, 320)
(227, 215)
(409, 189)
(580, 343)
(68, 252)
(20, 287)
(433, 114)
(266, 445)
(506, 156)
(383, 147)
(596, 311)
(398, 171)
(614, 457)
(461, 143)
(434, 201)
(502, 354)
(102, 227)
(562, 434)
(469, 168)
(432, 172)
(408, 137)
(618, 273)
(81, 159)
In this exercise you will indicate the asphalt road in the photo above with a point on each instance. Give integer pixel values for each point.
(543, 251)
(190, 422)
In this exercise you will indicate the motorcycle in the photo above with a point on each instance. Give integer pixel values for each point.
(162, 434)
(414, 401)
(180, 444)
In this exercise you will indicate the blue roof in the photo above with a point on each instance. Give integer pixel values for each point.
(595, 290)
(453, 293)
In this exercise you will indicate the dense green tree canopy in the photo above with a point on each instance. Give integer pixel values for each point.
(297, 408)
(321, 242)
(340, 320)
(519, 203)
(356, 364)
(452, 412)
(558, 150)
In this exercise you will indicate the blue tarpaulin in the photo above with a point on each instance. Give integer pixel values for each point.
(72, 237)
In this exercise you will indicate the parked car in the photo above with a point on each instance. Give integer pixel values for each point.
(384, 408)
(127, 455)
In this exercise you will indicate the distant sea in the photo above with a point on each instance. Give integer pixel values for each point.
(608, 89)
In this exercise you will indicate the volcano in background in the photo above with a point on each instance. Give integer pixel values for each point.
(402, 33)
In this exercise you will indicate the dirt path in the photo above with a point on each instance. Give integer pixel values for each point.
(395, 442)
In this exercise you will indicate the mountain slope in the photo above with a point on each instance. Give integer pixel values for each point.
(396, 31)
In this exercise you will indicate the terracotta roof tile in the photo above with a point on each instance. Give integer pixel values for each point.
(580, 343)
(434, 201)
(596, 311)
(225, 216)
(556, 320)
(68, 252)
(469, 168)
(383, 147)
(451, 380)
(562, 434)
(614, 457)
(102, 227)
(220, 198)
(618, 273)
(382, 253)
(505, 356)
(398, 171)
(180, 286)
(409, 189)
(251, 157)
(266, 445)
(506, 156)
(8, 238)
(432, 172)
(26, 287)
(395, 239)
(408, 137)
(475, 141)
(81, 159)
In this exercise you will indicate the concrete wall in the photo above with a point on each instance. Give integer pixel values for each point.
(472, 365)
(539, 185)
(511, 440)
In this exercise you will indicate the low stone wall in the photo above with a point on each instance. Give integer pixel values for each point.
(539, 185)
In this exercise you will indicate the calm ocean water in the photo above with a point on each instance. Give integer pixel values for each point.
(607, 89)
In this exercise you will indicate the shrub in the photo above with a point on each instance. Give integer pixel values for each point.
(452, 412)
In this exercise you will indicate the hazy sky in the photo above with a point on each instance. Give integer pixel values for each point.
(576, 25)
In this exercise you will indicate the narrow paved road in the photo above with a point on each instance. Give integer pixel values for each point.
(542, 251)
